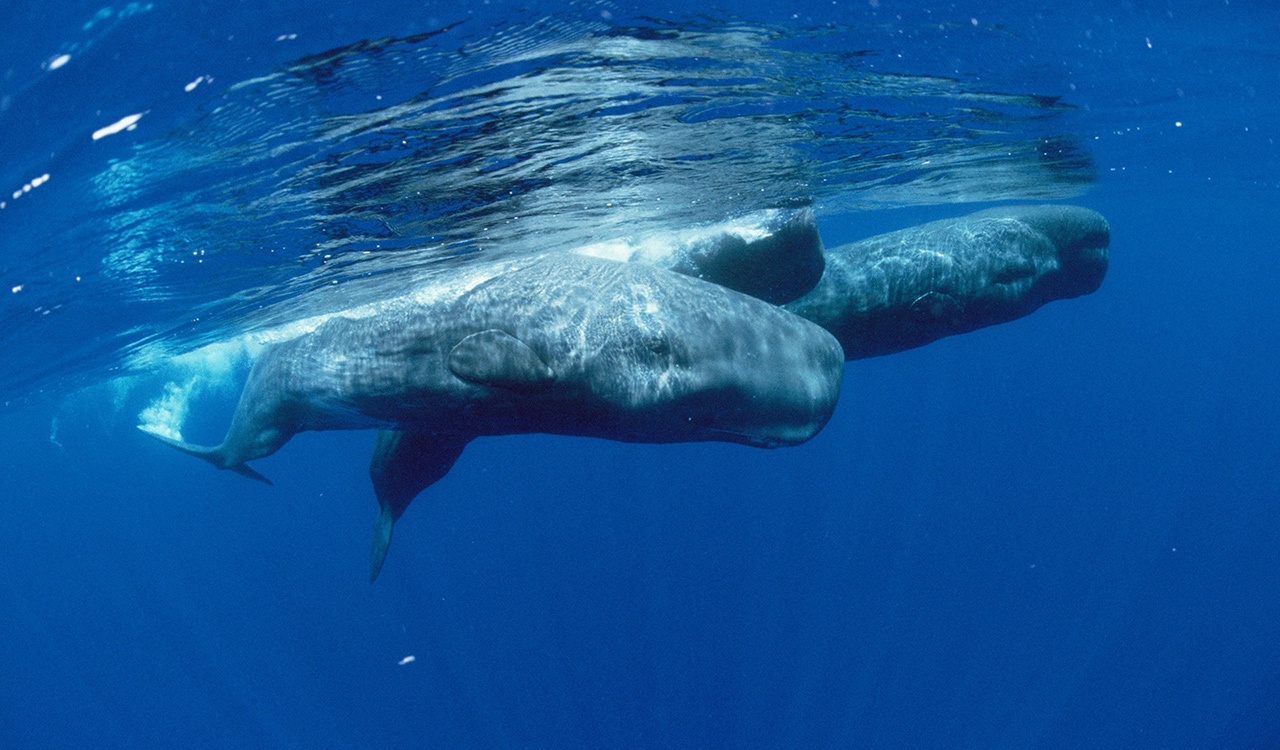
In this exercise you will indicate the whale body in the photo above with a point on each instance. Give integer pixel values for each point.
(564, 344)
(905, 289)
(884, 294)
(433, 386)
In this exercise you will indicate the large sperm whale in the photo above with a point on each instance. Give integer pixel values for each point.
(563, 344)
(878, 296)
(905, 289)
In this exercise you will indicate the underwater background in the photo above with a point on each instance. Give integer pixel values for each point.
(1060, 532)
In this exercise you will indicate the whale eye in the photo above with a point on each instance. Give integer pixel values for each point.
(658, 344)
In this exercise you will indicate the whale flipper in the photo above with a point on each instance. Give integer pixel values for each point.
(245, 470)
(382, 527)
(403, 465)
(211, 454)
(498, 359)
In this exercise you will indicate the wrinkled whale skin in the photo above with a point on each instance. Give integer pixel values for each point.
(563, 344)
(621, 351)
(905, 289)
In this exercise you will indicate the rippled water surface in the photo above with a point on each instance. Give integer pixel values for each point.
(226, 203)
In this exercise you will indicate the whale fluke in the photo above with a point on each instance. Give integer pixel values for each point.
(212, 455)
(245, 470)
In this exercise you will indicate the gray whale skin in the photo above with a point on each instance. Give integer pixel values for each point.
(564, 344)
(878, 296)
(905, 289)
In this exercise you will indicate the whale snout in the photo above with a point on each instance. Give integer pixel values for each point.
(1082, 238)
(682, 359)
(779, 388)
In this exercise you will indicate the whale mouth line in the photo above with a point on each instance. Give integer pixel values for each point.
(746, 438)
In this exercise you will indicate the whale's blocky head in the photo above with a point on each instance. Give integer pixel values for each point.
(1006, 262)
(642, 354)
(904, 289)
(1074, 261)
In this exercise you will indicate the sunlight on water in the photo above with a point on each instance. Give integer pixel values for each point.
(351, 175)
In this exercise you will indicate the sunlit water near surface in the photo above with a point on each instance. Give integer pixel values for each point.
(381, 162)
(1061, 532)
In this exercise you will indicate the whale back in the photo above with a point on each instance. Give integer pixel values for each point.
(640, 353)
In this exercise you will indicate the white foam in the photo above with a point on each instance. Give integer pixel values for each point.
(167, 413)
(210, 368)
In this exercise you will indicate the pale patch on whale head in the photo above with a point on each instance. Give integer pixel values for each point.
(665, 248)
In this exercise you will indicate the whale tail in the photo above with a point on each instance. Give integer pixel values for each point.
(382, 527)
(212, 455)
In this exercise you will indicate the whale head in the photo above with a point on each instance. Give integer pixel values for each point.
(904, 289)
(1072, 259)
(1004, 263)
(638, 353)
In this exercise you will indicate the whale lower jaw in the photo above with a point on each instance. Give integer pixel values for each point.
(758, 441)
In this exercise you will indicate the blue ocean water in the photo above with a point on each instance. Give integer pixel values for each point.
(1058, 532)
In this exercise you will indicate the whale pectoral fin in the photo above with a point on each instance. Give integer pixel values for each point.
(403, 465)
(382, 527)
(498, 359)
(212, 455)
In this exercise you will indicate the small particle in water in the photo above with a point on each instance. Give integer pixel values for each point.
(192, 86)
(1177, 124)
(59, 61)
(16, 289)
(124, 123)
(283, 37)
(408, 659)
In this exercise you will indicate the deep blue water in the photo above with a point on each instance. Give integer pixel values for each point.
(1059, 532)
